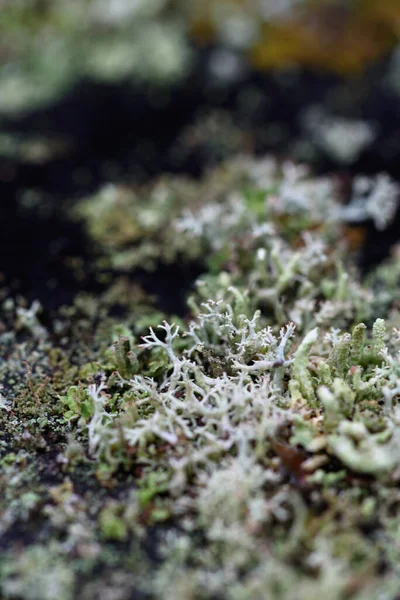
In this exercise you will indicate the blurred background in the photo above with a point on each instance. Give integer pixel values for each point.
(94, 92)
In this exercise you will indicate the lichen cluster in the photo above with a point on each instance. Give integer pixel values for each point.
(248, 448)
(47, 46)
(50, 45)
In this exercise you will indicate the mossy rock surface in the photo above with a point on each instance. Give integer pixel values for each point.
(199, 336)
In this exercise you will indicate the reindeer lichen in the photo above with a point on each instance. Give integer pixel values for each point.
(250, 449)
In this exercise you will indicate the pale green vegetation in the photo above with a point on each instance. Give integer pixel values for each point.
(251, 449)
(50, 45)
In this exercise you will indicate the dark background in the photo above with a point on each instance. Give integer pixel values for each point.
(130, 131)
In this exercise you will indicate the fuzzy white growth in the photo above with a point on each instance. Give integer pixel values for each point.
(216, 222)
(28, 319)
(344, 139)
(4, 404)
(100, 421)
(217, 413)
(298, 193)
(152, 341)
(117, 12)
(389, 375)
(277, 350)
(375, 198)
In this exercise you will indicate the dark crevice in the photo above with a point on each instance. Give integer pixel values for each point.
(126, 133)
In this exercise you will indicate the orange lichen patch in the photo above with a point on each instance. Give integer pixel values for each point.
(354, 237)
(332, 37)
(202, 27)
(202, 30)
(385, 12)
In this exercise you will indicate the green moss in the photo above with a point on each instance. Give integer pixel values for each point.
(112, 526)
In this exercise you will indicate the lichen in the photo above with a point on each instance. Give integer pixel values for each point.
(247, 449)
